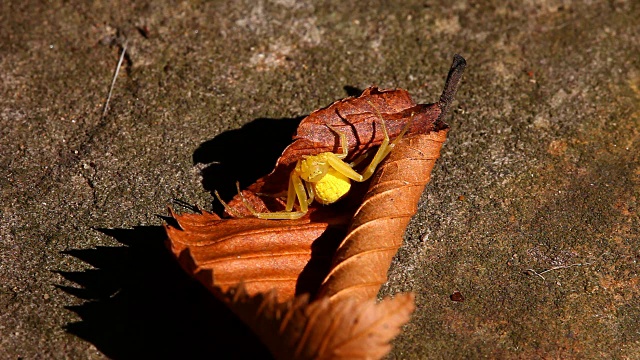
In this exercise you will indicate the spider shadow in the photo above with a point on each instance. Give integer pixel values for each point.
(138, 303)
(243, 155)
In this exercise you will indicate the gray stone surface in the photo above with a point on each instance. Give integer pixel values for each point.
(541, 170)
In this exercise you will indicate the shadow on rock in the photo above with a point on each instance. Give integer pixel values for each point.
(243, 155)
(352, 90)
(140, 304)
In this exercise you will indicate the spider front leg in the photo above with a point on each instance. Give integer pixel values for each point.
(296, 190)
(386, 147)
(336, 161)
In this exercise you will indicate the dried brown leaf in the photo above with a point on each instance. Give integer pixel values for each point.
(281, 264)
(375, 233)
(357, 118)
(264, 254)
(323, 329)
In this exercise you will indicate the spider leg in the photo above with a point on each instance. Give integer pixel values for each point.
(291, 194)
(280, 215)
(343, 142)
(398, 138)
(404, 131)
(385, 148)
(246, 202)
(228, 208)
(360, 159)
(342, 167)
(310, 192)
(296, 189)
(300, 192)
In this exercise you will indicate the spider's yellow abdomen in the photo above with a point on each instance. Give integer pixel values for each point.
(331, 187)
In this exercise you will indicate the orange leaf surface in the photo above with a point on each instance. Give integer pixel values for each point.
(337, 255)
(264, 254)
(376, 231)
(323, 329)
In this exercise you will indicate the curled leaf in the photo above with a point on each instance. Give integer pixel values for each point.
(338, 256)
(263, 254)
(358, 119)
(361, 261)
(323, 329)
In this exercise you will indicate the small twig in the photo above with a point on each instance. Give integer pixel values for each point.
(115, 76)
(532, 271)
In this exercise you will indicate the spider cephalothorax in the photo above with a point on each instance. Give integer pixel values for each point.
(324, 177)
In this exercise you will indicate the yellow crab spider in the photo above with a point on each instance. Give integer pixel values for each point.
(324, 177)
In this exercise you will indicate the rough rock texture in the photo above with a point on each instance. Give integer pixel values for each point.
(541, 170)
